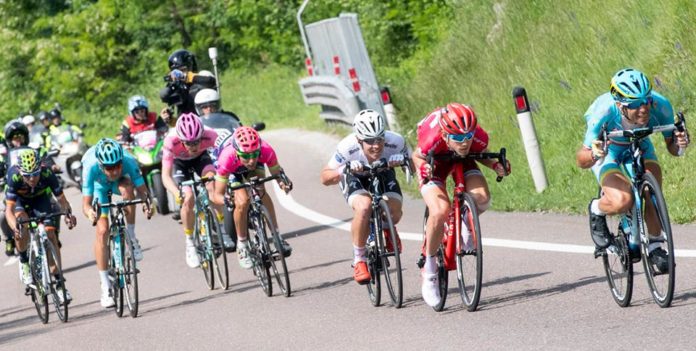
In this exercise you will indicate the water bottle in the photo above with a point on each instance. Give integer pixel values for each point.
(117, 250)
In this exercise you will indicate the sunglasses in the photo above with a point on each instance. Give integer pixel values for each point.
(638, 103)
(111, 167)
(192, 143)
(32, 174)
(372, 141)
(249, 155)
(210, 105)
(460, 138)
(139, 109)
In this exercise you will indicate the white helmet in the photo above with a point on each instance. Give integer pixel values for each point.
(206, 96)
(28, 119)
(206, 73)
(368, 124)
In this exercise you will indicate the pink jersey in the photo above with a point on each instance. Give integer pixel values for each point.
(228, 162)
(175, 149)
(430, 138)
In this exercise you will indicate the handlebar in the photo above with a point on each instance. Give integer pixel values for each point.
(40, 218)
(254, 181)
(500, 156)
(119, 205)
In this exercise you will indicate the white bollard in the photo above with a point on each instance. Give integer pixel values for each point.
(531, 145)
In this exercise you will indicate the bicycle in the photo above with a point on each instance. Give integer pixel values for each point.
(454, 253)
(123, 269)
(266, 255)
(629, 242)
(42, 254)
(379, 259)
(207, 236)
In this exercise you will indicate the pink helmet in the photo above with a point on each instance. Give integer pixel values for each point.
(189, 127)
(246, 139)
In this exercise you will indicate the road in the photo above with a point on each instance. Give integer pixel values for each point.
(542, 287)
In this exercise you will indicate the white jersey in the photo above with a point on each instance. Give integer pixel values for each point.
(349, 149)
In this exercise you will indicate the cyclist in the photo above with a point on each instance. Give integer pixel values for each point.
(630, 103)
(140, 119)
(185, 152)
(243, 156)
(369, 142)
(107, 168)
(450, 130)
(183, 83)
(29, 188)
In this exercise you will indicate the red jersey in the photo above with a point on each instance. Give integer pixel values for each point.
(135, 126)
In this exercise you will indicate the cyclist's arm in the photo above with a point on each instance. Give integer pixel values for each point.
(219, 192)
(168, 180)
(417, 158)
(9, 214)
(64, 204)
(87, 205)
(125, 134)
(143, 193)
(330, 176)
(672, 142)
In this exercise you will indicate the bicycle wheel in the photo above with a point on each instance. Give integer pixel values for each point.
(618, 266)
(61, 308)
(201, 239)
(443, 275)
(390, 260)
(374, 286)
(39, 296)
(130, 278)
(117, 269)
(276, 257)
(260, 266)
(469, 255)
(217, 251)
(661, 283)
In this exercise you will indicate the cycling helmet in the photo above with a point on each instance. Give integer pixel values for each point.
(28, 161)
(207, 96)
(14, 128)
(456, 118)
(135, 102)
(629, 85)
(189, 127)
(55, 113)
(368, 124)
(246, 139)
(28, 119)
(109, 152)
(182, 58)
(43, 116)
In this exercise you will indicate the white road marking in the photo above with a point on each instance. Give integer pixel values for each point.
(298, 209)
(10, 261)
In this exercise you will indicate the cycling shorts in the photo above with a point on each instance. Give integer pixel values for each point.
(352, 186)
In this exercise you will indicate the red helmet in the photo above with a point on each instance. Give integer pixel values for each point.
(246, 139)
(457, 119)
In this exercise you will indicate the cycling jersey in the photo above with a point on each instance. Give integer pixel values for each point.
(174, 148)
(604, 111)
(349, 149)
(228, 162)
(95, 182)
(18, 188)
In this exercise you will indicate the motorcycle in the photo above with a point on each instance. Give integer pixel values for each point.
(69, 142)
(147, 150)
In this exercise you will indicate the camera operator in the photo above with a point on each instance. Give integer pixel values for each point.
(183, 82)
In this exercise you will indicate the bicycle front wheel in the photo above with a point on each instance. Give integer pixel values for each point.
(618, 266)
(276, 256)
(217, 251)
(39, 295)
(130, 278)
(202, 240)
(469, 254)
(257, 238)
(59, 298)
(374, 286)
(391, 259)
(660, 279)
(443, 276)
(117, 262)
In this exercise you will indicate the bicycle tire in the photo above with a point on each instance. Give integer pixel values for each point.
(38, 295)
(374, 285)
(618, 266)
(391, 261)
(443, 276)
(117, 284)
(470, 259)
(275, 254)
(662, 291)
(130, 268)
(259, 265)
(201, 240)
(217, 252)
(61, 308)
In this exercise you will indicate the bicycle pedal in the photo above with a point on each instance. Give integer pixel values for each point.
(420, 262)
(27, 290)
(599, 253)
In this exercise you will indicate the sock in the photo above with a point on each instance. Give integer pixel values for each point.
(243, 243)
(104, 277)
(130, 228)
(594, 208)
(654, 245)
(430, 266)
(23, 257)
(359, 254)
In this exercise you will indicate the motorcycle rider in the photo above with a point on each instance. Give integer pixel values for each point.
(183, 84)
(140, 119)
(208, 101)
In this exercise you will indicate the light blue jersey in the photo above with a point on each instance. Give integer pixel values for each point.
(604, 111)
(94, 181)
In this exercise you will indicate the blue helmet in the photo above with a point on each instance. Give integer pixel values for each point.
(629, 85)
(137, 101)
(108, 152)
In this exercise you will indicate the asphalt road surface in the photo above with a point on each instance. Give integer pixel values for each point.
(542, 287)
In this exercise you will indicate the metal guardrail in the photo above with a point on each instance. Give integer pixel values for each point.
(338, 102)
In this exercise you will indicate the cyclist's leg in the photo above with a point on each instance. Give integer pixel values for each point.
(650, 214)
(101, 246)
(616, 188)
(126, 189)
(241, 207)
(43, 204)
(21, 240)
(392, 190)
(477, 186)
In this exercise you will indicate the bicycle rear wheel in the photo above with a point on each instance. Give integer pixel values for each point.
(130, 278)
(258, 246)
(618, 266)
(201, 238)
(39, 295)
(276, 257)
(469, 255)
(61, 308)
(118, 282)
(661, 282)
(390, 260)
(217, 251)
